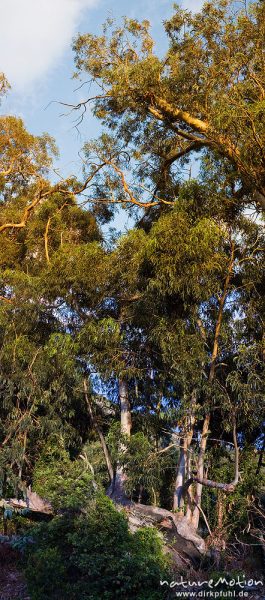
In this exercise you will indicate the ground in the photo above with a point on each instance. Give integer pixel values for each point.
(12, 583)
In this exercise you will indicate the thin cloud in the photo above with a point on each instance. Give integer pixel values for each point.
(34, 35)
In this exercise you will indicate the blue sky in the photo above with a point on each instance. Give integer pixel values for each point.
(36, 57)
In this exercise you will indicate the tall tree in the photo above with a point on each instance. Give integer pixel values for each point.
(205, 94)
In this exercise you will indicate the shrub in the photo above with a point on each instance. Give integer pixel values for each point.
(93, 556)
(64, 482)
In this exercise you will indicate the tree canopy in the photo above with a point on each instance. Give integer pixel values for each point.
(132, 365)
(205, 95)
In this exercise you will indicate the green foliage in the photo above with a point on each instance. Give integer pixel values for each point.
(96, 557)
(187, 257)
(144, 467)
(64, 482)
(240, 509)
(173, 308)
(47, 575)
(205, 94)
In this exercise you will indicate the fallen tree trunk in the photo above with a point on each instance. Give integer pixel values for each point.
(178, 532)
(181, 538)
(33, 503)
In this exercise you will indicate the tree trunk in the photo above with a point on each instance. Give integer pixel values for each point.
(200, 472)
(118, 492)
(178, 503)
(220, 510)
(201, 481)
(126, 420)
(260, 461)
(206, 423)
(184, 459)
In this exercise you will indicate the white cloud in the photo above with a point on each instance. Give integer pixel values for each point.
(34, 35)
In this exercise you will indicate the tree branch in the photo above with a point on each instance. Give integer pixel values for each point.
(225, 487)
(28, 210)
(181, 115)
(46, 240)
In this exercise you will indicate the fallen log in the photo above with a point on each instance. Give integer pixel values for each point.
(33, 503)
(179, 534)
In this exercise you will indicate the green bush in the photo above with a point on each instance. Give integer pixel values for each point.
(66, 483)
(47, 575)
(93, 556)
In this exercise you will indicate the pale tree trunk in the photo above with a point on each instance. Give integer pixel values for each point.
(118, 491)
(190, 501)
(178, 503)
(205, 428)
(184, 458)
(200, 472)
(126, 419)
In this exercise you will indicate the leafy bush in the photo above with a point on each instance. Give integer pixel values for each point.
(143, 466)
(65, 483)
(47, 575)
(94, 556)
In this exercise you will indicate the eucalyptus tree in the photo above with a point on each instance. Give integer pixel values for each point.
(204, 265)
(40, 374)
(205, 95)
